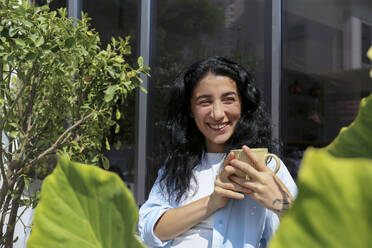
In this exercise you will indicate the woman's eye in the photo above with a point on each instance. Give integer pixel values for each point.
(204, 102)
(230, 99)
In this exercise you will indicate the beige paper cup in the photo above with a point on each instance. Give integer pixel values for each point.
(262, 154)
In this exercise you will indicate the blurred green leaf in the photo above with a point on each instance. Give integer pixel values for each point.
(333, 208)
(107, 145)
(20, 42)
(105, 163)
(118, 114)
(30, 56)
(40, 41)
(140, 61)
(355, 140)
(69, 42)
(84, 206)
(117, 128)
(110, 92)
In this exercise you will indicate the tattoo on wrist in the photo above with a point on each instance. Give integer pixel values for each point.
(280, 206)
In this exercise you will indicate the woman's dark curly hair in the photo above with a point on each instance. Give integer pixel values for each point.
(184, 144)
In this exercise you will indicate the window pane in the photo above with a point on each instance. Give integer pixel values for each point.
(114, 18)
(54, 5)
(325, 69)
(186, 31)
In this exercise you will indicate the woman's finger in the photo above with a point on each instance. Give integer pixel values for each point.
(230, 185)
(245, 168)
(230, 170)
(228, 193)
(229, 157)
(249, 185)
(255, 162)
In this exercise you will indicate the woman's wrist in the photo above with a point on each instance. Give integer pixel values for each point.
(281, 205)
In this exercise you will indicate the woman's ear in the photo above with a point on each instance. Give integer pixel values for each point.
(191, 115)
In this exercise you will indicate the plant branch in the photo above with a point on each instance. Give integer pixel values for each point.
(13, 213)
(54, 146)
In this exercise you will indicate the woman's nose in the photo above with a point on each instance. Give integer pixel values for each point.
(217, 111)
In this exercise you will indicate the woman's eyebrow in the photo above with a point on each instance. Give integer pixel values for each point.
(228, 93)
(203, 96)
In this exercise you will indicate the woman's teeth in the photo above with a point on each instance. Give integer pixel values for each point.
(217, 126)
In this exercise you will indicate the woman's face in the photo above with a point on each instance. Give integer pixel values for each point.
(216, 108)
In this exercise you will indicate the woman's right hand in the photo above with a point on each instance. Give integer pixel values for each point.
(224, 188)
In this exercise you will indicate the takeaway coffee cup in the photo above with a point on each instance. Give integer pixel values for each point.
(262, 154)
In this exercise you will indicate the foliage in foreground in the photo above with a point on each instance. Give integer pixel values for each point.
(84, 206)
(333, 208)
(58, 89)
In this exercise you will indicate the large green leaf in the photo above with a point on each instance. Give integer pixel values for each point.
(84, 206)
(355, 140)
(333, 208)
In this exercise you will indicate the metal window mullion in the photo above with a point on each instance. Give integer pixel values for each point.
(141, 106)
(74, 8)
(276, 66)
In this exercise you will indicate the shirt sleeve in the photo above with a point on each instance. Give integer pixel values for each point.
(149, 214)
(272, 220)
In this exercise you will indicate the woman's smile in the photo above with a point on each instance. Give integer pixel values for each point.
(219, 127)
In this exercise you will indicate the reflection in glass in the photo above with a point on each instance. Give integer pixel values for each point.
(186, 31)
(113, 18)
(53, 5)
(325, 70)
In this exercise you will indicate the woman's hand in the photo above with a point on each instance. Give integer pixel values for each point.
(225, 188)
(264, 185)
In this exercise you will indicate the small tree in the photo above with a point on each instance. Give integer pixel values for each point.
(58, 89)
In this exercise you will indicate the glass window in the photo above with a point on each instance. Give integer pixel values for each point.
(185, 31)
(325, 70)
(54, 5)
(113, 18)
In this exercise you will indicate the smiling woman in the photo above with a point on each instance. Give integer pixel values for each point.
(197, 200)
(215, 106)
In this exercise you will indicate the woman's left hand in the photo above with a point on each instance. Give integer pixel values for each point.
(266, 187)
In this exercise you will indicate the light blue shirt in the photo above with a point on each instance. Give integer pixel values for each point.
(240, 224)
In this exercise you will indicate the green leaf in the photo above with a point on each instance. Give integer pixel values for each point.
(140, 61)
(117, 128)
(111, 72)
(105, 163)
(30, 56)
(13, 134)
(40, 41)
(84, 206)
(69, 42)
(20, 42)
(355, 140)
(107, 145)
(13, 31)
(118, 114)
(122, 75)
(34, 37)
(110, 92)
(333, 208)
(27, 182)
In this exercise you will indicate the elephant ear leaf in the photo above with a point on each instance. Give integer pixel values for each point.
(356, 139)
(84, 206)
(333, 207)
